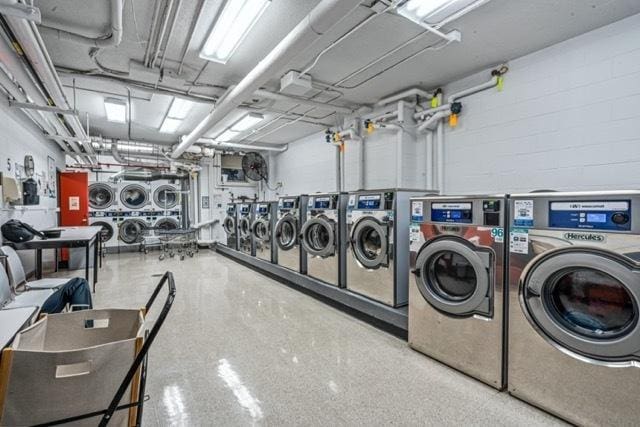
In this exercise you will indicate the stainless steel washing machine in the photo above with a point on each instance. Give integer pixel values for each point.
(323, 237)
(574, 305)
(457, 294)
(377, 253)
(230, 225)
(292, 212)
(245, 237)
(262, 230)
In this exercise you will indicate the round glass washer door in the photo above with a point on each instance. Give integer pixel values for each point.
(370, 243)
(245, 227)
(287, 232)
(586, 301)
(261, 230)
(454, 278)
(134, 196)
(229, 225)
(101, 196)
(165, 197)
(107, 231)
(167, 224)
(131, 231)
(319, 237)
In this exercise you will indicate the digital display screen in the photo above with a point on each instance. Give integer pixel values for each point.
(322, 204)
(597, 217)
(262, 209)
(452, 212)
(369, 202)
(288, 204)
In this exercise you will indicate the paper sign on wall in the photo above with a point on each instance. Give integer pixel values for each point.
(74, 203)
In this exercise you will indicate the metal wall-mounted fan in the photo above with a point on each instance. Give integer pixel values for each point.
(254, 166)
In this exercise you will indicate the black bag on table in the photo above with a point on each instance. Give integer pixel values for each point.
(18, 232)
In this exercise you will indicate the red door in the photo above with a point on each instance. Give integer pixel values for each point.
(74, 198)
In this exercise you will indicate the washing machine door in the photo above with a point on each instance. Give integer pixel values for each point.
(101, 195)
(134, 196)
(287, 232)
(318, 236)
(229, 225)
(244, 227)
(586, 301)
(165, 197)
(167, 224)
(107, 231)
(131, 231)
(370, 243)
(261, 229)
(454, 277)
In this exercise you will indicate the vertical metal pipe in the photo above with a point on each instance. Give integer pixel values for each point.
(440, 156)
(428, 161)
(338, 172)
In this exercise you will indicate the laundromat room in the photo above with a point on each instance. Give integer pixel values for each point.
(320, 213)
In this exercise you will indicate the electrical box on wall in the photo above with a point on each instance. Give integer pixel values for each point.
(294, 83)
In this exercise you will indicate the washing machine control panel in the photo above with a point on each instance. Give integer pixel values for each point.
(456, 212)
(591, 214)
(262, 209)
(324, 202)
(231, 209)
(287, 203)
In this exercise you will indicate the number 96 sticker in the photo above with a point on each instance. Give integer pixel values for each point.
(497, 234)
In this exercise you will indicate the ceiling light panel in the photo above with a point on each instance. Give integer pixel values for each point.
(116, 110)
(227, 135)
(233, 25)
(432, 11)
(170, 125)
(179, 108)
(247, 122)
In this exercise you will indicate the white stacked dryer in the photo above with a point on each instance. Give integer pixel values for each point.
(103, 211)
(166, 200)
(323, 237)
(136, 211)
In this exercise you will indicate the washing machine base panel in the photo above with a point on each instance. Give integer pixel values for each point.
(376, 284)
(264, 252)
(325, 269)
(290, 258)
(471, 345)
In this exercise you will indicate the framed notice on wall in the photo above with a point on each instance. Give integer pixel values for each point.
(50, 189)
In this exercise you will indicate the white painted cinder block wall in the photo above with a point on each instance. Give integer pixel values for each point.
(567, 119)
(18, 138)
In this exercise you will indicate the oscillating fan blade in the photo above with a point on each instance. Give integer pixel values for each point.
(254, 166)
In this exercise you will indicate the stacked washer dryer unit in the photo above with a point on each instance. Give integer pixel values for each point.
(262, 231)
(574, 305)
(292, 212)
(230, 225)
(377, 253)
(166, 200)
(457, 295)
(103, 212)
(323, 237)
(245, 219)
(136, 212)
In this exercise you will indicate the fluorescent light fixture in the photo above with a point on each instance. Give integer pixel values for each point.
(227, 135)
(170, 125)
(116, 110)
(420, 10)
(247, 122)
(233, 25)
(179, 108)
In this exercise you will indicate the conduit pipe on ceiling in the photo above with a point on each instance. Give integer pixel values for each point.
(302, 101)
(34, 48)
(120, 157)
(66, 33)
(217, 144)
(322, 18)
(433, 120)
(404, 94)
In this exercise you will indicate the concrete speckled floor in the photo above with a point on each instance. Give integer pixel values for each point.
(242, 349)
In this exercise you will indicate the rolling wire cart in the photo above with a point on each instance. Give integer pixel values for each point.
(180, 241)
(132, 385)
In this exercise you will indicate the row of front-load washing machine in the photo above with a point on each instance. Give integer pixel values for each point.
(538, 293)
(128, 211)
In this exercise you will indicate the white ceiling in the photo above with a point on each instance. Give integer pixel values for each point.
(494, 33)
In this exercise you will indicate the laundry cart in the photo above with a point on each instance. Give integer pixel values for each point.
(84, 368)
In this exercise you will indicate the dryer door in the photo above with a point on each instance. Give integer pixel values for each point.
(101, 195)
(586, 301)
(261, 229)
(455, 278)
(134, 196)
(229, 225)
(107, 230)
(318, 237)
(370, 243)
(287, 232)
(131, 231)
(166, 197)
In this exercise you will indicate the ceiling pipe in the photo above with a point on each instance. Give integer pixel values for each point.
(217, 144)
(433, 120)
(322, 18)
(63, 32)
(302, 101)
(416, 91)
